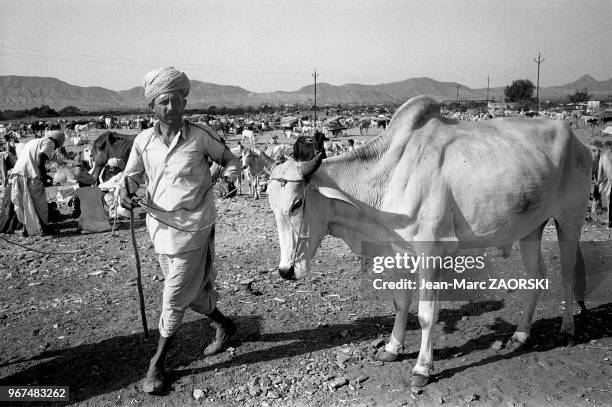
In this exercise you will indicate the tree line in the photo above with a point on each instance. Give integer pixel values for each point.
(521, 93)
(68, 111)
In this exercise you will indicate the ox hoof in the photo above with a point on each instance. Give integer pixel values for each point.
(514, 345)
(385, 356)
(418, 380)
(567, 339)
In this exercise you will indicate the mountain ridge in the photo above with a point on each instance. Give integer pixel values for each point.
(25, 92)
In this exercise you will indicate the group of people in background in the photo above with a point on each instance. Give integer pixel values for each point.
(24, 179)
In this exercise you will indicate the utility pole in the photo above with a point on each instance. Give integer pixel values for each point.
(457, 93)
(487, 89)
(538, 61)
(315, 75)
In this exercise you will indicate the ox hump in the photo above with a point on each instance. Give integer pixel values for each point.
(416, 112)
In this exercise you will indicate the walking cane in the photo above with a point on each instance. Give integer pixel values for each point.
(143, 316)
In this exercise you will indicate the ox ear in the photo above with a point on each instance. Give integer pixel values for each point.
(333, 193)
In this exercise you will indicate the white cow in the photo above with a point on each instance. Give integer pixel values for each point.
(433, 186)
(604, 182)
(82, 129)
(279, 151)
(248, 134)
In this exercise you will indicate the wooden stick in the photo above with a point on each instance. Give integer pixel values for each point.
(143, 315)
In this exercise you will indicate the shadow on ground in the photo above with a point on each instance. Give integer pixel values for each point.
(120, 362)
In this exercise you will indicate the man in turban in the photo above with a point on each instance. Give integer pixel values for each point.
(172, 158)
(28, 181)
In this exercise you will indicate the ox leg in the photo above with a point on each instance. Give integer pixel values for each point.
(580, 283)
(596, 202)
(401, 302)
(531, 253)
(568, 245)
(429, 307)
(608, 195)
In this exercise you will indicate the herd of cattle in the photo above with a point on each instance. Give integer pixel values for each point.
(302, 141)
(332, 125)
(258, 124)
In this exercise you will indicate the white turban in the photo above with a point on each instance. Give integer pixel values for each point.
(57, 136)
(164, 80)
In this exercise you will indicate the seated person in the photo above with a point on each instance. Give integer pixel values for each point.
(111, 188)
(89, 207)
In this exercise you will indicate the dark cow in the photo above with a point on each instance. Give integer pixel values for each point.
(38, 128)
(305, 148)
(110, 145)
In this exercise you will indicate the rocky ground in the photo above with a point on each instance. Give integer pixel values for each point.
(73, 320)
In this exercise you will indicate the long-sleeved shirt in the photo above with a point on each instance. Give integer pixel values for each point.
(178, 180)
(29, 157)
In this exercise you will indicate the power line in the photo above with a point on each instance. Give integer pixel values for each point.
(315, 75)
(538, 61)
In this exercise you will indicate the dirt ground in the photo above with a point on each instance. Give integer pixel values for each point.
(73, 320)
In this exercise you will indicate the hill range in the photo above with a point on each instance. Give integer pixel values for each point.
(26, 92)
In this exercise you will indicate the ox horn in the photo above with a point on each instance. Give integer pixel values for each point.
(309, 167)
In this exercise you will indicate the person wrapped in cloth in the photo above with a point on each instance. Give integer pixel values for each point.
(28, 181)
(171, 158)
(111, 187)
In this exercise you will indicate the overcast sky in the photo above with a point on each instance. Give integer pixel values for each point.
(268, 45)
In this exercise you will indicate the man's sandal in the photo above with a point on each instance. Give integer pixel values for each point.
(155, 383)
(222, 337)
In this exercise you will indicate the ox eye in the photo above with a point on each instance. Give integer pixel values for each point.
(296, 205)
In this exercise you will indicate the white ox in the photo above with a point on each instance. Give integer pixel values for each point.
(435, 186)
(604, 182)
(81, 129)
(248, 134)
